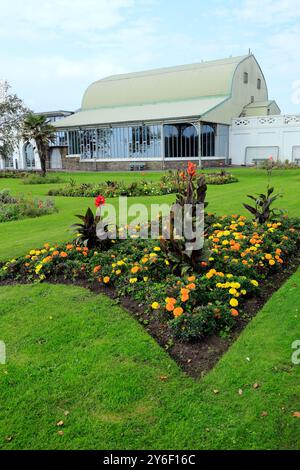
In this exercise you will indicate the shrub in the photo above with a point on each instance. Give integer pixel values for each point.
(6, 197)
(39, 179)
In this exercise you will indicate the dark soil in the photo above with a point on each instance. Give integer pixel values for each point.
(196, 359)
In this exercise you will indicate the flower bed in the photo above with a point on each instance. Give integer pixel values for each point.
(12, 208)
(167, 185)
(242, 255)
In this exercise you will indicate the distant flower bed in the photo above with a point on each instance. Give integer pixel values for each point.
(39, 179)
(202, 301)
(168, 184)
(15, 208)
(32, 177)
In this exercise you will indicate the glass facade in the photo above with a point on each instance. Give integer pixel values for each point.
(102, 143)
(145, 141)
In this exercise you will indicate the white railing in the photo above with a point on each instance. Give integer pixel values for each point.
(265, 121)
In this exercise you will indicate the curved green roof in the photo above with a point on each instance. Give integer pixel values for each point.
(186, 82)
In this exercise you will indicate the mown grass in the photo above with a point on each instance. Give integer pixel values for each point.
(20, 236)
(86, 356)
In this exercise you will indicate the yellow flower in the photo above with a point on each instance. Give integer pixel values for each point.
(155, 305)
(268, 256)
(243, 292)
(233, 302)
(232, 291)
(145, 279)
(271, 262)
(156, 248)
(118, 272)
(167, 262)
(254, 282)
(153, 255)
(144, 260)
(38, 268)
(225, 242)
(133, 280)
(106, 279)
(120, 263)
(32, 252)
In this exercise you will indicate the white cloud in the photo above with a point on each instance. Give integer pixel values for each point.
(62, 16)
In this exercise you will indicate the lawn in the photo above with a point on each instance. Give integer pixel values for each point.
(85, 363)
(103, 378)
(20, 236)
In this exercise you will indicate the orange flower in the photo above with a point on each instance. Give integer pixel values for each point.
(69, 246)
(97, 269)
(55, 253)
(78, 248)
(106, 279)
(191, 286)
(170, 307)
(191, 278)
(234, 312)
(177, 312)
(184, 291)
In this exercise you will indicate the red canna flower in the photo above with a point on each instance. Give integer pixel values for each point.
(191, 169)
(99, 201)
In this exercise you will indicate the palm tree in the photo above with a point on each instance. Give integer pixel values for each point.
(37, 128)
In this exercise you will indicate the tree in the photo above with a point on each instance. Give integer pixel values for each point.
(12, 114)
(37, 128)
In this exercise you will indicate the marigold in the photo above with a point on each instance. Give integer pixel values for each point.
(155, 305)
(191, 278)
(177, 312)
(233, 302)
(55, 253)
(170, 307)
(97, 269)
(135, 269)
(63, 254)
(234, 312)
(191, 286)
(133, 280)
(106, 279)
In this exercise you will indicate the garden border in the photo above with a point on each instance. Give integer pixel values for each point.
(195, 358)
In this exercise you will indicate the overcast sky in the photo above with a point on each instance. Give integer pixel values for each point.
(51, 50)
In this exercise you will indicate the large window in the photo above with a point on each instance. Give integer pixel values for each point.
(181, 141)
(208, 132)
(142, 141)
(29, 156)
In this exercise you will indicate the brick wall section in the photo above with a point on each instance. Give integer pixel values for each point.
(74, 164)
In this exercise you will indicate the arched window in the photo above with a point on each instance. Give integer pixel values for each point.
(208, 132)
(29, 156)
(181, 141)
(171, 133)
(189, 137)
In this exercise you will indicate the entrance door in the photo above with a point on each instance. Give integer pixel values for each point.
(55, 159)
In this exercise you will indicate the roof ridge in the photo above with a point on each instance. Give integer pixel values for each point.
(173, 68)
